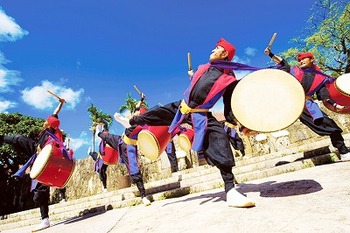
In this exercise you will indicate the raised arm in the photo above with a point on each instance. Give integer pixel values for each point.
(59, 107)
(275, 58)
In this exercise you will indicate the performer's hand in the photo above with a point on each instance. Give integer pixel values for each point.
(267, 50)
(339, 107)
(143, 97)
(190, 73)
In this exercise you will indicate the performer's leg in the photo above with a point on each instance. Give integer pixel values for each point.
(22, 143)
(103, 176)
(129, 156)
(327, 126)
(157, 116)
(41, 197)
(217, 149)
(171, 152)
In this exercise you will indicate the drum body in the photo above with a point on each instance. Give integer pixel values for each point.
(51, 167)
(339, 91)
(111, 155)
(152, 141)
(268, 100)
(185, 140)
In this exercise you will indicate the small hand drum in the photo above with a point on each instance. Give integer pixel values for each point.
(152, 141)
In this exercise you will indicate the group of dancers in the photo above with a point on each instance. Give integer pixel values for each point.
(209, 83)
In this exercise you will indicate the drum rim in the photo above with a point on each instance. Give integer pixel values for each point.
(45, 162)
(188, 142)
(341, 91)
(152, 136)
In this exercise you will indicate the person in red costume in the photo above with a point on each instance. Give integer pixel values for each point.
(313, 81)
(208, 84)
(51, 131)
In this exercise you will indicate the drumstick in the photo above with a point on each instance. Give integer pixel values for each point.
(272, 40)
(138, 90)
(189, 61)
(54, 94)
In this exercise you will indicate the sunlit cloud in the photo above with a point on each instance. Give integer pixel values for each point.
(9, 29)
(250, 51)
(8, 78)
(5, 105)
(40, 98)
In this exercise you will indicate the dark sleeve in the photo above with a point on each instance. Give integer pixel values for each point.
(283, 65)
(228, 112)
(323, 94)
(42, 139)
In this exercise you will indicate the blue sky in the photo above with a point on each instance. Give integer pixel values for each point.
(94, 52)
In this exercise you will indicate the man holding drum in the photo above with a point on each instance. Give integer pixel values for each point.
(51, 131)
(313, 81)
(208, 85)
(130, 160)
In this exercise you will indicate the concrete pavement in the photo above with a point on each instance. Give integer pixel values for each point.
(315, 199)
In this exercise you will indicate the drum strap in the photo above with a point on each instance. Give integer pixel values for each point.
(185, 109)
(128, 140)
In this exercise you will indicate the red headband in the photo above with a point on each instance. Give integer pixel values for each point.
(301, 56)
(230, 49)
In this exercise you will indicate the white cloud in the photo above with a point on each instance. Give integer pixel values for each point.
(81, 144)
(5, 105)
(250, 51)
(8, 78)
(39, 98)
(9, 29)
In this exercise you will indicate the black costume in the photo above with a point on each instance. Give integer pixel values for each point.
(321, 124)
(41, 192)
(201, 94)
(131, 161)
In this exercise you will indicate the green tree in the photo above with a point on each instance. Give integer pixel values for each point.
(14, 192)
(327, 36)
(130, 104)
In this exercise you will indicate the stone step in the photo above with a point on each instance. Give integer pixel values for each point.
(188, 181)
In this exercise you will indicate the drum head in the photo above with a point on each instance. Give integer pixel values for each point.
(184, 142)
(148, 145)
(268, 100)
(41, 161)
(342, 83)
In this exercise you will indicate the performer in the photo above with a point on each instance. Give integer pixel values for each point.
(50, 132)
(313, 81)
(129, 157)
(208, 84)
(100, 168)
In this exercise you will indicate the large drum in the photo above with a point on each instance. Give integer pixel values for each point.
(153, 140)
(268, 100)
(111, 155)
(51, 167)
(185, 140)
(339, 91)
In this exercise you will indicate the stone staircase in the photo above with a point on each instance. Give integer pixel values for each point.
(191, 180)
